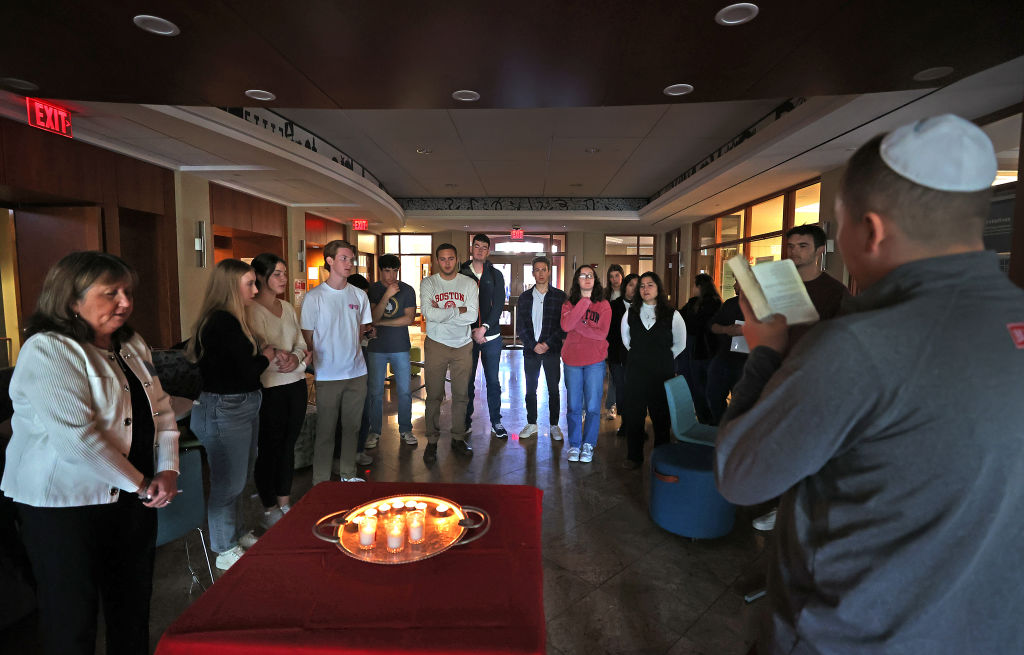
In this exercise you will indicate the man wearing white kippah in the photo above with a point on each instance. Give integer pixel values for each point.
(902, 478)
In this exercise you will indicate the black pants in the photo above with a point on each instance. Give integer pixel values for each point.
(552, 363)
(645, 393)
(83, 555)
(725, 371)
(281, 416)
(617, 372)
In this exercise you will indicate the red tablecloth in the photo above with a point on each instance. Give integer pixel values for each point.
(293, 593)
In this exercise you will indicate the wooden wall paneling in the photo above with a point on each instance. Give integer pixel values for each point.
(269, 217)
(316, 229)
(229, 208)
(140, 185)
(335, 230)
(44, 235)
(38, 161)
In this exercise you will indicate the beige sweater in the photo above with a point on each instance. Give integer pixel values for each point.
(281, 333)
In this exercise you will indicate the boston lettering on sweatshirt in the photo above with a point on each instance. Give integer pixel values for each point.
(586, 325)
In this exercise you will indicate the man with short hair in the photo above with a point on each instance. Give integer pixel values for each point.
(894, 431)
(450, 306)
(538, 324)
(393, 306)
(805, 245)
(334, 317)
(487, 342)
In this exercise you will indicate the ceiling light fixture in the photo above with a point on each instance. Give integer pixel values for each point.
(423, 151)
(156, 25)
(592, 150)
(466, 95)
(16, 84)
(450, 185)
(736, 14)
(935, 73)
(261, 95)
(677, 89)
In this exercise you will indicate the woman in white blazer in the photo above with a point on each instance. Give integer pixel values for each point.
(94, 451)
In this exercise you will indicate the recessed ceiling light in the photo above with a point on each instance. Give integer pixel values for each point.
(423, 151)
(16, 84)
(450, 185)
(465, 226)
(677, 89)
(736, 14)
(260, 94)
(936, 73)
(592, 150)
(466, 95)
(156, 25)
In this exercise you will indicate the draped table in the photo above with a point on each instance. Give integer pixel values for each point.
(293, 593)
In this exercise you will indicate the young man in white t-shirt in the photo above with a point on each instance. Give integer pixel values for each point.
(450, 303)
(334, 317)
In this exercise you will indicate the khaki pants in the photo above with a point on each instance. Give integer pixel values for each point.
(339, 405)
(438, 360)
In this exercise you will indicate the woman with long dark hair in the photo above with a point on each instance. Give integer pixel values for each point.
(226, 416)
(612, 292)
(283, 406)
(617, 353)
(94, 450)
(586, 318)
(654, 334)
(700, 342)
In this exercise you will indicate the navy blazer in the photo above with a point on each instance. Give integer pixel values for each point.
(550, 328)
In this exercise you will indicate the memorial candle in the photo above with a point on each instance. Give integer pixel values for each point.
(367, 532)
(416, 526)
(395, 529)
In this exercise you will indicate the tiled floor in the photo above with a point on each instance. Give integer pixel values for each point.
(613, 581)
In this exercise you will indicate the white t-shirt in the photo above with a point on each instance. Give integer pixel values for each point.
(336, 317)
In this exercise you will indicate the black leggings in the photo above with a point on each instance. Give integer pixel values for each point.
(281, 416)
(82, 555)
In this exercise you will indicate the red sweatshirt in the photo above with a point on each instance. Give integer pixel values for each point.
(586, 326)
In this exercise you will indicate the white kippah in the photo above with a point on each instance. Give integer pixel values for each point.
(944, 152)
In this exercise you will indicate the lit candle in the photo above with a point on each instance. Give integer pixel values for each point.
(442, 509)
(367, 532)
(371, 512)
(410, 505)
(396, 533)
(384, 509)
(421, 506)
(416, 526)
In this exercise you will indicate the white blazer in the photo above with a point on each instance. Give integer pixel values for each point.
(72, 423)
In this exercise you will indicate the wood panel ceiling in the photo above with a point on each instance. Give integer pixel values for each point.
(528, 53)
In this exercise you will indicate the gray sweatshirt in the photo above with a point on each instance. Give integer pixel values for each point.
(895, 435)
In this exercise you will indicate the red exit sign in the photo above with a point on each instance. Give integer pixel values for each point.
(360, 224)
(49, 117)
(516, 235)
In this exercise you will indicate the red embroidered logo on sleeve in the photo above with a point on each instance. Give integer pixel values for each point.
(1017, 332)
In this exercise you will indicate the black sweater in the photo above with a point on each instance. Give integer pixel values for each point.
(225, 356)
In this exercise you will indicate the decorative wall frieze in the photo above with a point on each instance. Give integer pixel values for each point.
(521, 204)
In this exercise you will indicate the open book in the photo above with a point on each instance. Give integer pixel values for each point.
(774, 288)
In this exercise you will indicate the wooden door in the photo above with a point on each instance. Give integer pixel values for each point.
(43, 235)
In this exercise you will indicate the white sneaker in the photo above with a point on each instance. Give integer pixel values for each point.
(528, 431)
(362, 459)
(574, 454)
(353, 480)
(766, 522)
(229, 557)
(271, 516)
(587, 454)
(556, 433)
(410, 438)
(248, 540)
(372, 440)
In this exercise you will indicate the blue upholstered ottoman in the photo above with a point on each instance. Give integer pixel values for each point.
(684, 498)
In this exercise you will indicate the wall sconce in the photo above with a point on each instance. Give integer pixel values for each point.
(302, 253)
(200, 244)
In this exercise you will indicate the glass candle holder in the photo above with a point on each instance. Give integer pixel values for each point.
(394, 529)
(367, 532)
(416, 526)
(410, 505)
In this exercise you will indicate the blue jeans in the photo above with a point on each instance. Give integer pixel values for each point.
(227, 425)
(377, 367)
(584, 386)
(490, 352)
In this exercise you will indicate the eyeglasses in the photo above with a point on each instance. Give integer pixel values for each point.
(586, 276)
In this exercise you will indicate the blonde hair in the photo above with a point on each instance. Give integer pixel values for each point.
(222, 294)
